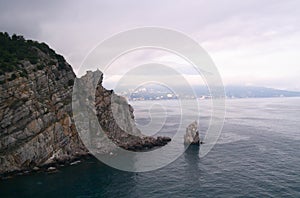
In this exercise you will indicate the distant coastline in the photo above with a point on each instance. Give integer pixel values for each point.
(154, 92)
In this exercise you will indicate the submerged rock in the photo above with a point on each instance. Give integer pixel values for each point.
(192, 134)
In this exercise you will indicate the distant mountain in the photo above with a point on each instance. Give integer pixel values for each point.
(249, 92)
(257, 92)
(157, 92)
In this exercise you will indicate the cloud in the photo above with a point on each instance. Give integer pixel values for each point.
(242, 37)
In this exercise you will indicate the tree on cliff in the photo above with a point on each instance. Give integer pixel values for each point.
(15, 48)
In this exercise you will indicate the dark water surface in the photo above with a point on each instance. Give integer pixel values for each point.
(257, 155)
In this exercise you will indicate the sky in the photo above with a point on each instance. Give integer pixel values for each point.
(252, 42)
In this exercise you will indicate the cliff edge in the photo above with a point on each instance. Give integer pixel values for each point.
(36, 124)
(36, 120)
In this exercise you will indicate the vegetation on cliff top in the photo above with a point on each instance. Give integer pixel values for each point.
(14, 49)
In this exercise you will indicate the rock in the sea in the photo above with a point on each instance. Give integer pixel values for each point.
(36, 168)
(51, 168)
(114, 115)
(192, 134)
(74, 163)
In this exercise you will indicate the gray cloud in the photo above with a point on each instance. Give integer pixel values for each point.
(232, 26)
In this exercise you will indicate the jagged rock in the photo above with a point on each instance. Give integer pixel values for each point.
(51, 168)
(36, 118)
(192, 134)
(36, 168)
(74, 163)
(114, 115)
(35, 115)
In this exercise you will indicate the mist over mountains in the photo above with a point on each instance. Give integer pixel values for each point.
(257, 92)
(157, 92)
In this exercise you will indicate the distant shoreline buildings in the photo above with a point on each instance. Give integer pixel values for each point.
(232, 92)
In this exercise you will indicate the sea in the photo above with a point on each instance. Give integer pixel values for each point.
(257, 154)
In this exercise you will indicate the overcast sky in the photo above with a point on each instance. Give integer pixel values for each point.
(252, 42)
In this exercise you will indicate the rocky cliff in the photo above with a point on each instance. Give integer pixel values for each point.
(35, 107)
(36, 121)
(192, 134)
(114, 115)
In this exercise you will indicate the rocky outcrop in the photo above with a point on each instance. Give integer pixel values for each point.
(37, 128)
(114, 115)
(36, 124)
(192, 134)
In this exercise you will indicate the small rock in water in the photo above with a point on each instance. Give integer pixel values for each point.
(51, 168)
(36, 168)
(76, 162)
(192, 134)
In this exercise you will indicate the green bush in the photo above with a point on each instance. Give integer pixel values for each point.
(52, 62)
(70, 82)
(15, 48)
(13, 77)
(23, 74)
(40, 67)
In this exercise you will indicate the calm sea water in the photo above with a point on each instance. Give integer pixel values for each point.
(257, 155)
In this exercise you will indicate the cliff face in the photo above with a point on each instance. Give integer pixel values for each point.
(114, 115)
(35, 113)
(36, 118)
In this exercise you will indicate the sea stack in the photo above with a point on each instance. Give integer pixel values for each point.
(192, 134)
